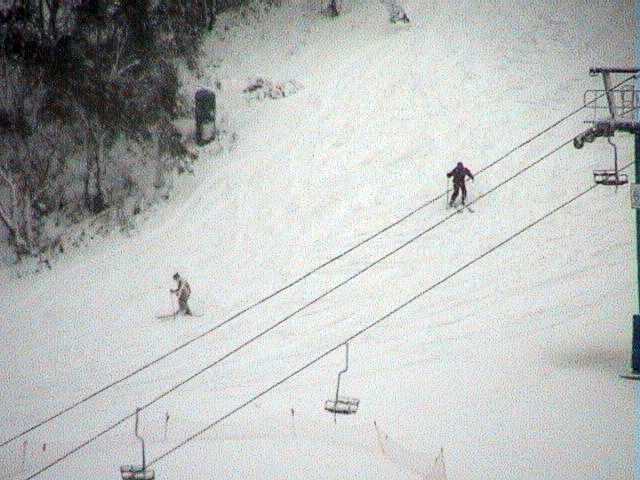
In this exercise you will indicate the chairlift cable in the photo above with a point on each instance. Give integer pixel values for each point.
(283, 320)
(292, 283)
(378, 321)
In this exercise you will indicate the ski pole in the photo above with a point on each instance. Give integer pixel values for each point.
(173, 305)
(473, 192)
(446, 197)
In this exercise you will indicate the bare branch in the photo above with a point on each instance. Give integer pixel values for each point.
(6, 219)
(7, 216)
(131, 65)
(12, 186)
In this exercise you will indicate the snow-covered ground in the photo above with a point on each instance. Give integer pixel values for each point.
(511, 366)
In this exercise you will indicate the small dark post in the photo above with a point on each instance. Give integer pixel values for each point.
(205, 116)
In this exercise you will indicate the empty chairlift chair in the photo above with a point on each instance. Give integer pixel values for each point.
(611, 177)
(340, 404)
(135, 472)
(131, 472)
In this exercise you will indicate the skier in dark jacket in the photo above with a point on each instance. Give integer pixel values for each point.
(459, 174)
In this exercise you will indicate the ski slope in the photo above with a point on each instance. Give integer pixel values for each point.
(511, 366)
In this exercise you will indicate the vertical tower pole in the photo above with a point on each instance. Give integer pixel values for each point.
(635, 355)
(635, 349)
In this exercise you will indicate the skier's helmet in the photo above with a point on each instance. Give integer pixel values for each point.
(460, 165)
(176, 276)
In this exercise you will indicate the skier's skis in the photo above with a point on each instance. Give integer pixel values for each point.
(461, 208)
(630, 375)
(177, 314)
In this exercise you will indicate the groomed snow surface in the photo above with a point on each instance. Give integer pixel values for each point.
(511, 367)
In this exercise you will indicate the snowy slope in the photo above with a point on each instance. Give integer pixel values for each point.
(511, 366)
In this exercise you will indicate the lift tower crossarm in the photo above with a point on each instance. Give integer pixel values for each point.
(615, 98)
(596, 71)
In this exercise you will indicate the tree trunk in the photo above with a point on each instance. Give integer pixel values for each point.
(98, 199)
(137, 14)
(87, 178)
(10, 216)
(8, 223)
(27, 215)
(53, 5)
(211, 7)
(43, 33)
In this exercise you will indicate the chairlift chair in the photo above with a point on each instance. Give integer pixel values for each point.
(611, 177)
(136, 472)
(340, 404)
(132, 472)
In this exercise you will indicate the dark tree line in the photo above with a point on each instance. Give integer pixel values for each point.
(77, 78)
(88, 98)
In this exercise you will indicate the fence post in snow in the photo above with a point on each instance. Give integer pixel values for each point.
(166, 425)
(24, 454)
(293, 422)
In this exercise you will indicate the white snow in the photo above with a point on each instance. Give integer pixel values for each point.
(511, 367)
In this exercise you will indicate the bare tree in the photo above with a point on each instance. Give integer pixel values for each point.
(79, 79)
(15, 213)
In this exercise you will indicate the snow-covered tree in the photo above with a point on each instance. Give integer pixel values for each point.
(80, 78)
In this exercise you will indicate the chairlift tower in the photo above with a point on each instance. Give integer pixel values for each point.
(619, 103)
